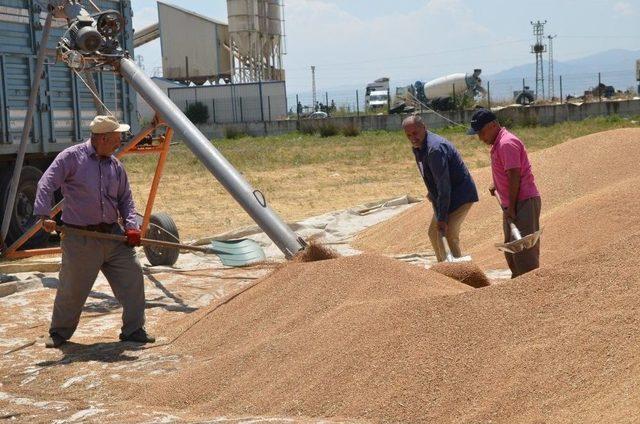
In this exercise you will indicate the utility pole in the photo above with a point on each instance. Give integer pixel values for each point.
(313, 86)
(552, 83)
(538, 49)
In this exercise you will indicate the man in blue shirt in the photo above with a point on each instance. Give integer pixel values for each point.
(451, 189)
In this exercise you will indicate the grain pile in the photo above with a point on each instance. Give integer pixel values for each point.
(570, 177)
(315, 251)
(466, 272)
(369, 338)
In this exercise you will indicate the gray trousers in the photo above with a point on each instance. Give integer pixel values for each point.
(528, 222)
(82, 258)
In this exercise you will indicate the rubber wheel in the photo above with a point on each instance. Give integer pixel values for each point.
(22, 217)
(162, 227)
(524, 99)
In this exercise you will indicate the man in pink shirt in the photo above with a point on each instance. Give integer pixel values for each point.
(515, 185)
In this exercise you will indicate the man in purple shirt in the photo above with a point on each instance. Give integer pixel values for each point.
(96, 195)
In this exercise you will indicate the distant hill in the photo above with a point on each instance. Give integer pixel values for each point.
(617, 68)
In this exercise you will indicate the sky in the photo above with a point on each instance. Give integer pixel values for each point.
(353, 42)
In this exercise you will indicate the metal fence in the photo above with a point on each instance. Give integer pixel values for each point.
(235, 103)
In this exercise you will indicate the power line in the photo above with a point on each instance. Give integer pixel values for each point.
(379, 58)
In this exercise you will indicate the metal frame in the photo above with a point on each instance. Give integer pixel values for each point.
(159, 145)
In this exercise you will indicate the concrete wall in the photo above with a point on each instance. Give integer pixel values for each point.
(514, 115)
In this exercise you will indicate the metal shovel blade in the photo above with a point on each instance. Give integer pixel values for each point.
(460, 259)
(237, 253)
(516, 246)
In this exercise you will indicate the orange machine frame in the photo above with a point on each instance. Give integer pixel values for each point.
(133, 146)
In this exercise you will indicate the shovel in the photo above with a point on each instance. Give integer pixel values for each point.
(448, 255)
(234, 253)
(517, 243)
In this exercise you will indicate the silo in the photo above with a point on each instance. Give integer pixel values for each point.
(243, 21)
(274, 15)
(255, 33)
(273, 46)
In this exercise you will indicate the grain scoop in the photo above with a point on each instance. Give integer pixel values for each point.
(448, 255)
(517, 243)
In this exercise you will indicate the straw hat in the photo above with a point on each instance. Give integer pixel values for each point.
(103, 124)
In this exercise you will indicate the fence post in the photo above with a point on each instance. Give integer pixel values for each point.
(261, 102)
(599, 88)
(326, 102)
(297, 108)
(489, 94)
(357, 104)
(213, 109)
(561, 98)
(241, 111)
(269, 105)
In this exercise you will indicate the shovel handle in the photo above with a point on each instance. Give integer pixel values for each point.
(515, 233)
(143, 241)
(447, 250)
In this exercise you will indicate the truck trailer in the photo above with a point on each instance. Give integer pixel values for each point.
(64, 105)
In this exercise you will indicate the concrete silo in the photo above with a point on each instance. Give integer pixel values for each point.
(255, 35)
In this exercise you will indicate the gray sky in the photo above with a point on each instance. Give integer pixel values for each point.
(352, 42)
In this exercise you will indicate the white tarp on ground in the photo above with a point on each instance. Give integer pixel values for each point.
(335, 229)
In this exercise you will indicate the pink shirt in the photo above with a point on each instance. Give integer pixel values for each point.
(508, 152)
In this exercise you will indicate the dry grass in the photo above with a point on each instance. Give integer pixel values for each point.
(305, 175)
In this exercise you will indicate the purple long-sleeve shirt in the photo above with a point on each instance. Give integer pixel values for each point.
(95, 189)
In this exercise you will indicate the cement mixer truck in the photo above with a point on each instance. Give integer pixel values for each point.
(442, 93)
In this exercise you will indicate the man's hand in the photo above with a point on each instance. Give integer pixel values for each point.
(442, 227)
(492, 190)
(133, 237)
(48, 225)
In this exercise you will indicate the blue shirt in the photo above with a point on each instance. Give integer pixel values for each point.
(447, 178)
(95, 189)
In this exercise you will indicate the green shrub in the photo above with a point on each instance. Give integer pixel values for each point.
(307, 128)
(197, 112)
(328, 129)
(351, 130)
(233, 133)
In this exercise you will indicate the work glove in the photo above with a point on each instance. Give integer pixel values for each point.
(133, 237)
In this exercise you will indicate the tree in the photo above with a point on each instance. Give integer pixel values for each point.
(197, 112)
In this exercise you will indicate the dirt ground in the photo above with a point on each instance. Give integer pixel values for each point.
(368, 338)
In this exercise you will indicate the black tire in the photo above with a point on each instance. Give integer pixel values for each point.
(22, 217)
(524, 99)
(162, 227)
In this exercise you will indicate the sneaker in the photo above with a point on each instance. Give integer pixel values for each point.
(139, 336)
(53, 340)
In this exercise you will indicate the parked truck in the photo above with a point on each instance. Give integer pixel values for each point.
(441, 93)
(376, 95)
(64, 106)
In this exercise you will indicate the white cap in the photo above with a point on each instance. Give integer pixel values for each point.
(103, 124)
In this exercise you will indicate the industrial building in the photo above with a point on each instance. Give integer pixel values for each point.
(235, 69)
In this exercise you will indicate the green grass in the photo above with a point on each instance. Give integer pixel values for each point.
(369, 148)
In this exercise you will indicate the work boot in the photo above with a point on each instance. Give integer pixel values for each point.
(53, 340)
(138, 336)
